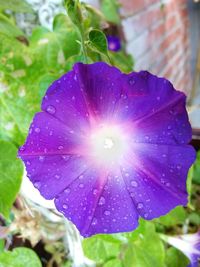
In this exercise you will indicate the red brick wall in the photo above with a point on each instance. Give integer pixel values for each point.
(157, 37)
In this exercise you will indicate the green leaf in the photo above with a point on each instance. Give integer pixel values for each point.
(8, 28)
(19, 257)
(196, 173)
(99, 249)
(98, 41)
(147, 250)
(189, 186)
(20, 6)
(45, 82)
(74, 11)
(174, 217)
(140, 248)
(194, 218)
(113, 263)
(123, 61)
(110, 11)
(175, 258)
(11, 171)
(1, 245)
(54, 48)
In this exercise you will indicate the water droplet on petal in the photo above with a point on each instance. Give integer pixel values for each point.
(95, 191)
(131, 81)
(60, 147)
(37, 130)
(37, 185)
(102, 201)
(65, 157)
(41, 158)
(134, 183)
(178, 166)
(80, 177)
(57, 176)
(65, 206)
(67, 190)
(51, 109)
(145, 215)
(94, 221)
(107, 212)
(81, 185)
(140, 205)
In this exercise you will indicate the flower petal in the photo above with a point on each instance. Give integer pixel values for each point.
(101, 85)
(51, 174)
(65, 101)
(48, 135)
(98, 205)
(154, 110)
(156, 177)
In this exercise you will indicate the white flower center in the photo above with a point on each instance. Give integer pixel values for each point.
(108, 144)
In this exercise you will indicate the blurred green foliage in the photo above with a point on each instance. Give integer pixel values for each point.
(10, 178)
(19, 257)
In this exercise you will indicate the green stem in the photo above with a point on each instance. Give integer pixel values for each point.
(83, 47)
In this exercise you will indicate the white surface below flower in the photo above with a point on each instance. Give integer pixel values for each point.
(31, 193)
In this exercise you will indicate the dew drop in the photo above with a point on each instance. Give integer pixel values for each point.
(37, 184)
(41, 158)
(57, 176)
(145, 215)
(102, 201)
(51, 109)
(60, 147)
(67, 190)
(107, 212)
(65, 206)
(140, 205)
(95, 191)
(37, 130)
(178, 166)
(134, 183)
(131, 81)
(81, 185)
(28, 163)
(94, 221)
(162, 180)
(51, 133)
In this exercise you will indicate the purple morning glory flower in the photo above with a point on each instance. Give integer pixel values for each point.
(114, 43)
(110, 147)
(189, 244)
